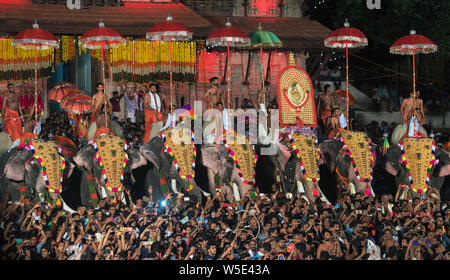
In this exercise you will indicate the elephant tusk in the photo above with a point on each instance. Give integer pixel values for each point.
(205, 193)
(323, 197)
(352, 188)
(174, 186)
(66, 207)
(372, 192)
(104, 195)
(236, 192)
(123, 199)
(300, 187)
(307, 200)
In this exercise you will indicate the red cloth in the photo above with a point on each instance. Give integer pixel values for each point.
(150, 119)
(23, 101)
(13, 124)
(324, 114)
(333, 133)
(103, 130)
(26, 136)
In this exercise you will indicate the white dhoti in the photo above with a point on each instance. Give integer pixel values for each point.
(413, 126)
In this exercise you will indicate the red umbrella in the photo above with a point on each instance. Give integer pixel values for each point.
(60, 90)
(167, 31)
(37, 39)
(102, 37)
(410, 45)
(346, 37)
(69, 148)
(228, 36)
(74, 95)
(78, 107)
(413, 44)
(342, 95)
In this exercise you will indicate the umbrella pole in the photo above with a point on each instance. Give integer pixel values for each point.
(262, 72)
(414, 92)
(104, 91)
(346, 83)
(228, 75)
(35, 88)
(171, 77)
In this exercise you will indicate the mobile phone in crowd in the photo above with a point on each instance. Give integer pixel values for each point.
(18, 240)
(186, 199)
(415, 242)
(86, 236)
(44, 203)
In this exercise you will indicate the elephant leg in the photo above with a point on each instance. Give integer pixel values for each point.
(227, 192)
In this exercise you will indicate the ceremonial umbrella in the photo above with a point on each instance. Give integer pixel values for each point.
(264, 40)
(37, 39)
(346, 37)
(68, 147)
(342, 95)
(228, 36)
(167, 31)
(78, 107)
(75, 95)
(102, 37)
(410, 45)
(60, 90)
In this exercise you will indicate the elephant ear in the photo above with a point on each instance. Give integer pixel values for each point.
(85, 157)
(152, 151)
(15, 166)
(210, 157)
(444, 162)
(392, 157)
(135, 159)
(329, 150)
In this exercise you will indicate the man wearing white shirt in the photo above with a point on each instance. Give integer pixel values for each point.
(131, 98)
(221, 117)
(152, 106)
(172, 118)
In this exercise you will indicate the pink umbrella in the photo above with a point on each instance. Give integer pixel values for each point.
(228, 36)
(346, 37)
(38, 39)
(167, 31)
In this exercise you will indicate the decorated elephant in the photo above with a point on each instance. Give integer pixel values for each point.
(174, 164)
(400, 130)
(37, 168)
(105, 162)
(234, 163)
(419, 164)
(297, 163)
(351, 155)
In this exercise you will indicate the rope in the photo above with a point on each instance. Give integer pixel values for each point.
(342, 178)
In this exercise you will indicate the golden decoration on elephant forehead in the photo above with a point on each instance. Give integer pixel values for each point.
(307, 150)
(244, 157)
(359, 147)
(418, 155)
(112, 155)
(180, 145)
(51, 161)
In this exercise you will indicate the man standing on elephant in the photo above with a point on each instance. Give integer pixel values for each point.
(214, 94)
(103, 124)
(333, 125)
(10, 112)
(325, 104)
(98, 99)
(412, 111)
(152, 105)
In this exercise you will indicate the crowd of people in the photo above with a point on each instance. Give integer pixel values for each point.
(260, 227)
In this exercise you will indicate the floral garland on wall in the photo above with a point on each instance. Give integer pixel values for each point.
(18, 64)
(141, 60)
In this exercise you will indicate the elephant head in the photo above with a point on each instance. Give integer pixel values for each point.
(299, 159)
(108, 159)
(352, 157)
(416, 154)
(156, 152)
(39, 165)
(234, 163)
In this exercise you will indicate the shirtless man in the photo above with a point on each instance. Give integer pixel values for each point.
(152, 109)
(103, 124)
(332, 124)
(98, 99)
(214, 94)
(10, 111)
(325, 104)
(331, 246)
(407, 110)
